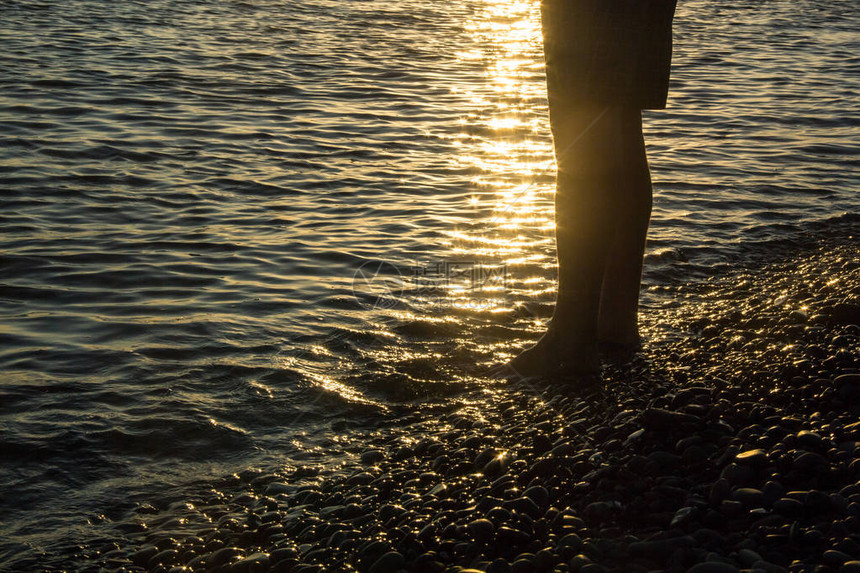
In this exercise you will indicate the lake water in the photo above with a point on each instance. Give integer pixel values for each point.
(234, 234)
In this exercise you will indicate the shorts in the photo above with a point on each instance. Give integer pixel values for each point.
(608, 52)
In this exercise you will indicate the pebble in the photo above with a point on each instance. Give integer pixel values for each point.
(748, 496)
(481, 530)
(222, 556)
(372, 457)
(538, 494)
(747, 557)
(788, 507)
(255, 563)
(737, 474)
(754, 458)
(662, 420)
(510, 536)
(809, 440)
(806, 461)
(771, 492)
(713, 567)
(835, 558)
(499, 565)
(388, 563)
(523, 505)
(571, 541)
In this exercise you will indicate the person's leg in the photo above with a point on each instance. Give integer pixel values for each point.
(590, 144)
(619, 299)
(605, 61)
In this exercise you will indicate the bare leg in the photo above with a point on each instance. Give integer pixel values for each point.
(619, 300)
(603, 202)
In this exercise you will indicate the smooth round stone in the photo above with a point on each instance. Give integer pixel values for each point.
(523, 505)
(788, 507)
(737, 474)
(510, 536)
(748, 557)
(768, 567)
(578, 562)
(771, 492)
(683, 516)
(838, 503)
(143, 555)
(278, 488)
(372, 457)
(481, 530)
(835, 558)
(753, 458)
(810, 440)
(484, 457)
(848, 385)
(404, 453)
(665, 420)
(817, 502)
(524, 565)
(222, 556)
(362, 478)
(489, 503)
(388, 563)
(439, 490)
(850, 567)
(497, 465)
(500, 565)
(719, 491)
(748, 496)
(166, 557)
(809, 460)
(544, 559)
(537, 494)
(713, 567)
(571, 541)
(251, 564)
(283, 553)
(440, 462)
(498, 515)
(597, 512)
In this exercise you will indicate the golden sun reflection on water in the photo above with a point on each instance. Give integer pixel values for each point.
(499, 259)
(506, 144)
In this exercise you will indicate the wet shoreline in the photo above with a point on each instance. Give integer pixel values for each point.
(729, 443)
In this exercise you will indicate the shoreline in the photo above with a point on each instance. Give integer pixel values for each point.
(730, 443)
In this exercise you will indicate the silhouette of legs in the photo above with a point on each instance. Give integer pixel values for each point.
(603, 204)
(605, 61)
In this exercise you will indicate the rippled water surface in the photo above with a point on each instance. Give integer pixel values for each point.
(234, 232)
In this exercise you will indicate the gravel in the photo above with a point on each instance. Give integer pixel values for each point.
(731, 442)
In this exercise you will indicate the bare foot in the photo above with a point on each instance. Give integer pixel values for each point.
(555, 356)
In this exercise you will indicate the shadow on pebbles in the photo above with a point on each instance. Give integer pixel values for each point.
(729, 443)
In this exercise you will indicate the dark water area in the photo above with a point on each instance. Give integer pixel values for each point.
(246, 234)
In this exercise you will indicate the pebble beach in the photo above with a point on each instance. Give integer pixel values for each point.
(728, 444)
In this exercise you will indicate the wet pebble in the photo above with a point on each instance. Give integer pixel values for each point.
(713, 567)
(372, 457)
(388, 563)
(481, 530)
